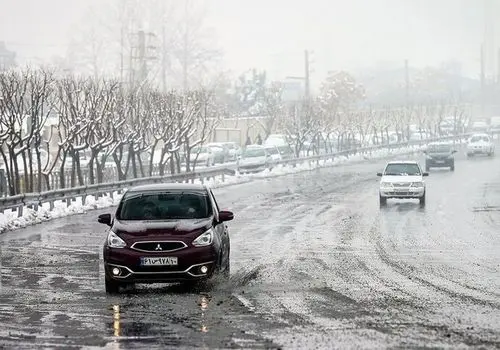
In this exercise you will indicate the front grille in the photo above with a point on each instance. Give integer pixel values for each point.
(168, 246)
(402, 184)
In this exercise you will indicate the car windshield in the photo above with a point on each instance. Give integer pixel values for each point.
(254, 152)
(200, 150)
(479, 138)
(164, 206)
(439, 148)
(409, 169)
(273, 150)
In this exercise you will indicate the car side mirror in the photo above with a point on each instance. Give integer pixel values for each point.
(225, 215)
(425, 174)
(379, 174)
(104, 219)
(454, 151)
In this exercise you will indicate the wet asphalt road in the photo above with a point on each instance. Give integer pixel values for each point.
(315, 264)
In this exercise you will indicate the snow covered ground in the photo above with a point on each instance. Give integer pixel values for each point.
(10, 220)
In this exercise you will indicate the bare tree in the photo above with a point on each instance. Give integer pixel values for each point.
(24, 110)
(300, 124)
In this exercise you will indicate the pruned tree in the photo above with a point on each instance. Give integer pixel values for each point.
(24, 111)
(300, 124)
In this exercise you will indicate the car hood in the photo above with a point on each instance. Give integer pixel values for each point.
(400, 179)
(128, 229)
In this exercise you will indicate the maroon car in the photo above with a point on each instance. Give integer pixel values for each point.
(166, 233)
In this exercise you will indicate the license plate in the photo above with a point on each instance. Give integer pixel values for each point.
(159, 261)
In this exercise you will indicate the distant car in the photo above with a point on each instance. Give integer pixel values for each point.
(254, 158)
(202, 155)
(234, 150)
(480, 126)
(220, 152)
(402, 180)
(165, 233)
(495, 124)
(274, 153)
(440, 155)
(480, 144)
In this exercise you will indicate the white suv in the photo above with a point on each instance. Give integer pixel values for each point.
(402, 179)
(480, 144)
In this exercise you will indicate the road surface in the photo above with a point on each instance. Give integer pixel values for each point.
(315, 264)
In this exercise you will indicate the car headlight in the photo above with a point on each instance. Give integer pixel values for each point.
(114, 241)
(417, 184)
(204, 239)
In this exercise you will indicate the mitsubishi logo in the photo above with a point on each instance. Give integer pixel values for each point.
(158, 247)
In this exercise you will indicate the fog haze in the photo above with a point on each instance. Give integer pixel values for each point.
(273, 34)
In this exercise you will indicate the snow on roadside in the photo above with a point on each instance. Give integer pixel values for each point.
(10, 221)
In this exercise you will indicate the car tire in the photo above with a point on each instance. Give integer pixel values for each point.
(382, 201)
(226, 270)
(452, 167)
(111, 286)
(422, 200)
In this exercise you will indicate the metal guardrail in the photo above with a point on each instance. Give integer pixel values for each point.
(34, 200)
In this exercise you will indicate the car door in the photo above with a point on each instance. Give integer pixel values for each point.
(220, 228)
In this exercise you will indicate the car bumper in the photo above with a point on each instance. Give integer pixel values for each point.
(402, 193)
(437, 163)
(252, 168)
(188, 268)
(478, 151)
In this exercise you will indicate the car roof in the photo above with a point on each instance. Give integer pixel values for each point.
(402, 162)
(166, 186)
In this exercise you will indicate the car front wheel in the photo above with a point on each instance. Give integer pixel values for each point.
(111, 286)
(382, 201)
(422, 200)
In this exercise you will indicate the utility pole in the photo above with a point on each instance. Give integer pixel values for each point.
(483, 87)
(140, 53)
(307, 74)
(185, 53)
(407, 84)
(163, 59)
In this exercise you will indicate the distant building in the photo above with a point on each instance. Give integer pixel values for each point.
(7, 58)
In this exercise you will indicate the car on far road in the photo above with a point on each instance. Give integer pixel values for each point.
(402, 180)
(440, 155)
(254, 158)
(165, 233)
(274, 153)
(480, 126)
(480, 144)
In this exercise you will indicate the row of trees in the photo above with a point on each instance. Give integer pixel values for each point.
(50, 124)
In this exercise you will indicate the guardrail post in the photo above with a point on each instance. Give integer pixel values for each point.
(20, 209)
(68, 202)
(201, 179)
(223, 177)
(51, 205)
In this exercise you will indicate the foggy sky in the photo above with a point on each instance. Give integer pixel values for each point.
(272, 34)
